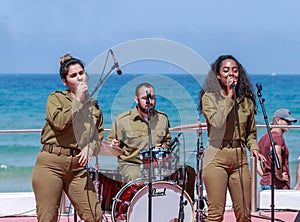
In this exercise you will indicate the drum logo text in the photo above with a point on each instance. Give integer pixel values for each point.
(158, 193)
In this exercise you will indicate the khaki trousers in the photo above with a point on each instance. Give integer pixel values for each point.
(228, 168)
(54, 173)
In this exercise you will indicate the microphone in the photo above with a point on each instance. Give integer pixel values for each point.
(259, 87)
(175, 140)
(116, 64)
(148, 97)
(87, 95)
(233, 85)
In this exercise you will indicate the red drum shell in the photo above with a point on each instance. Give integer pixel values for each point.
(109, 183)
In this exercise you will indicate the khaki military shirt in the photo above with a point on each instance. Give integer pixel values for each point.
(220, 120)
(70, 124)
(132, 132)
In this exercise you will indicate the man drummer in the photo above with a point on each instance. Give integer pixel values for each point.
(130, 132)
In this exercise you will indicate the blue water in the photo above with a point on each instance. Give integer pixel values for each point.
(23, 99)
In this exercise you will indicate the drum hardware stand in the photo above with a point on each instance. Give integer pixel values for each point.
(173, 144)
(200, 215)
(99, 190)
(159, 163)
(182, 203)
(274, 159)
(151, 157)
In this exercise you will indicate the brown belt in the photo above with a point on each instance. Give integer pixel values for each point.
(60, 150)
(227, 144)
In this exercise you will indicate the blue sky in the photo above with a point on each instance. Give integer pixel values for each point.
(263, 34)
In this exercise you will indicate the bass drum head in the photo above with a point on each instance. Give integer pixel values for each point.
(165, 204)
(123, 198)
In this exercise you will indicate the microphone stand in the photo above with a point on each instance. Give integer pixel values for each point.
(100, 82)
(274, 159)
(199, 184)
(96, 183)
(151, 158)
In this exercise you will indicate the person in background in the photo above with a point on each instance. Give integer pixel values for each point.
(281, 117)
(297, 186)
(130, 132)
(71, 135)
(227, 102)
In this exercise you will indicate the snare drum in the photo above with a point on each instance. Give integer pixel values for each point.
(109, 183)
(131, 202)
(164, 163)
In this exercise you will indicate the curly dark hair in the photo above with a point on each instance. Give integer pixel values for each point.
(213, 84)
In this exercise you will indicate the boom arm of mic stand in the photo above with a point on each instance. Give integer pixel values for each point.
(101, 81)
(261, 101)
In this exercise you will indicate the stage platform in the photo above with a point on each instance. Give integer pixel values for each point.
(21, 207)
(261, 216)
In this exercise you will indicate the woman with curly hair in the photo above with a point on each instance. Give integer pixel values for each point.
(71, 135)
(228, 104)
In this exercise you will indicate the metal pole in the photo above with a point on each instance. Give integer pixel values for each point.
(253, 166)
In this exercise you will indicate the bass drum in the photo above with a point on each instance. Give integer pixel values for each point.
(131, 202)
(109, 183)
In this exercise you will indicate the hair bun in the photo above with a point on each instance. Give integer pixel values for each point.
(65, 58)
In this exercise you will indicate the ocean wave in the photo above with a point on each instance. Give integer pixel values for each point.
(9, 171)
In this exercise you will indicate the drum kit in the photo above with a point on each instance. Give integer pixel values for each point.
(128, 201)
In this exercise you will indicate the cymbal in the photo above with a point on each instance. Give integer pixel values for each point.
(107, 149)
(193, 152)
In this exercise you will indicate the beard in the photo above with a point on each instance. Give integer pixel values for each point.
(145, 109)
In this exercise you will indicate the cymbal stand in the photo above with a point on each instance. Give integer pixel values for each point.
(182, 202)
(159, 158)
(200, 215)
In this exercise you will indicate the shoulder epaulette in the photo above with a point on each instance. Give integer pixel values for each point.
(124, 114)
(61, 92)
(160, 112)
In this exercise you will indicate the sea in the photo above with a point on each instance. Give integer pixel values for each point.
(23, 99)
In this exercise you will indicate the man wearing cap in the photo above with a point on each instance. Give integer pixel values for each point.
(281, 117)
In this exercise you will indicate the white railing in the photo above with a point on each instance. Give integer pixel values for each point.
(190, 127)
